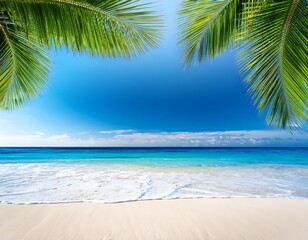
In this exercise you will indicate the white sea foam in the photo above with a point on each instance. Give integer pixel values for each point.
(50, 183)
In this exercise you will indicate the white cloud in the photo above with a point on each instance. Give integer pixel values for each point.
(120, 131)
(60, 137)
(3, 121)
(83, 133)
(191, 139)
(40, 133)
(35, 140)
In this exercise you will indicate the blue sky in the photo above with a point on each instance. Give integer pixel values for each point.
(107, 102)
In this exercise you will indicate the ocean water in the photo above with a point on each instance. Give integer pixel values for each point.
(49, 175)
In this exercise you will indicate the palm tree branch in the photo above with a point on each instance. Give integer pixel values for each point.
(101, 27)
(6, 49)
(273, 60)
(285, 31)
(207, 27)
(24, 66)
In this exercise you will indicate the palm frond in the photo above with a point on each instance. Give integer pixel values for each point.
(106, 27)
(24, 66)
(274, 59)
(207, 27)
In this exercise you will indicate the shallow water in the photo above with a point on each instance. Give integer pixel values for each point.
(36, 175)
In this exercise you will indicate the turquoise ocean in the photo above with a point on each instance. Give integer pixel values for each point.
(49, 175)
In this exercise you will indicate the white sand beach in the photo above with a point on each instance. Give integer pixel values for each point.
(181, 219)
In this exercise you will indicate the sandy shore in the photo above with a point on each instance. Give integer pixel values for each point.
(190, 219)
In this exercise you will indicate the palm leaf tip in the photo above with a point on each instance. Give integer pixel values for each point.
(274, 61)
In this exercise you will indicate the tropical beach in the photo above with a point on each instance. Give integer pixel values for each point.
(154, 193)
(153, 120)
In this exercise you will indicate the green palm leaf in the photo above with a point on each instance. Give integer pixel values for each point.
(208, 27)
(24, 66)
(109, 28)
(272, 35)
(275, 60)
(106, 27)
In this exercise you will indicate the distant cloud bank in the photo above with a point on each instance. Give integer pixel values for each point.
(131, 138)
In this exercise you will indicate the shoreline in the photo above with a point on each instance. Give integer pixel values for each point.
(168, 219)
(42, 183)
(146, 200)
